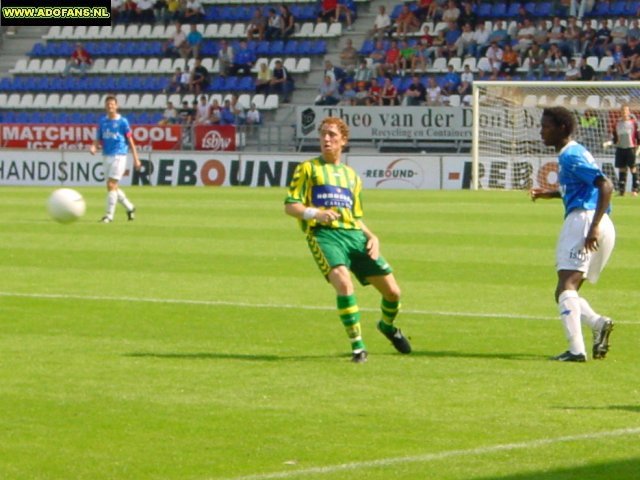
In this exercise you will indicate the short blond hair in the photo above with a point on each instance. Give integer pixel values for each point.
(342, 127)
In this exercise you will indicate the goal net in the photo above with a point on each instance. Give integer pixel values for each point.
(507, 151)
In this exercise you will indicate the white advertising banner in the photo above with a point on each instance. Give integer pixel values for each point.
(384, 123)
(397, 172)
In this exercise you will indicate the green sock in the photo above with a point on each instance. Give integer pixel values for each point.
(389, 313)
(350, 318)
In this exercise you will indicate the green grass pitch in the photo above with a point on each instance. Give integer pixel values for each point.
(201, 343)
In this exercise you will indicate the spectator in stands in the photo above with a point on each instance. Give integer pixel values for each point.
(587, 72)
(185, 114)
(337, 74)
(434, 93)
(274, 25)
(621, 63)
(603, 38)
(170, 115)
(572, 73)
(556, 36)
(571, 44)
(362, 75)
(238, 109)
(451, 35)
(510, 61)
(406, 56)
(554, 63)
(177, 45)
(587, 39)
(451, 13)
(202, 112)
(288, 22)
(536, 57)
(634, 31)
(144, 12)
(117, 9)
(257, 25)
(465, 44)
(253, 115)
(480, 39)
(466, 82)
(243, 59)
(438, 46)
(128, 12)
(494, 54)
(329, 94)
(362, 95)
(381, 25)
(349, 57)
(634, 73)
(175, 82)
(281, 82)
(524, 36)
(215, 112)
(391, 60)
(328, 11)
(199, 78)
(373, 93)
(348, 96)
(541, 35)
(620, 32)
(173, 12)
(346, 9)
(80, 59)
(226, 56)
(467, 15)
(416, 93)
(420, 60)
(388, 93)
(194, 41)
(406, 22)
(227, 117)
(377, 57)
(263, 79)
(498, 35)
(193, 12)
(426, 38)
(450, 81)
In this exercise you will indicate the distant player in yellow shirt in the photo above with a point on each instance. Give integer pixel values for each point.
(324, 195)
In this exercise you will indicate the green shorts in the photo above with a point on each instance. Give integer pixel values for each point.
(332, 247)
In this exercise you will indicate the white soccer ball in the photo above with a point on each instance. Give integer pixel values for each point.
(66, 205)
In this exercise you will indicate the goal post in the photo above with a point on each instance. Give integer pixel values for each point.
(507, 151)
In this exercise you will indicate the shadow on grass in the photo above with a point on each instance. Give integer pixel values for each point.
(486, 356)
(618, 470)
(232, 356)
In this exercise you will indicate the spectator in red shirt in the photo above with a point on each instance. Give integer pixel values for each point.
(373, 98)
(79, 60)
(389, 93)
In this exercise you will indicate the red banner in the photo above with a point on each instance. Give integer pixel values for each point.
(79, 137)
(215, 137)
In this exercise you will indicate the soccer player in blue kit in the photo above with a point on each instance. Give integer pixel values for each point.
(114, 134)
(587, 236)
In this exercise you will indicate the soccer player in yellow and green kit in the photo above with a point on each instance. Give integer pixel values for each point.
(324, 195)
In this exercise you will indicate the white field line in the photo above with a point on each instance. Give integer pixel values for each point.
(177, 301)
(431, 457)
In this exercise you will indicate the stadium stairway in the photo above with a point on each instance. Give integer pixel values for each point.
(17, 45)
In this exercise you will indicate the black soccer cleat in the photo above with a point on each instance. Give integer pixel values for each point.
(105, 219)
(398, 340)
(359, 357)
(570, 357)
(131, 214)
(601, 339)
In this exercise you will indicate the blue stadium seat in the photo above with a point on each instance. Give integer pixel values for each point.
(396, 11)
(319, 47)
(49, 117)
(247, 84)
(291, 48)
(484, 10)
(211, 14)
(305, 47)
(530, 8)
(499, 10)
(262, 49)
(308, 13)
(617, 8)
(631, 8)
(544, 9)
(276, 48)
(231, 84)
(8, 116)
(601, 10)
(38, 50)
(217, 84)
(368, 46)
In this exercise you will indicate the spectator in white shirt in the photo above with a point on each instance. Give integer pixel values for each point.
(382, 24)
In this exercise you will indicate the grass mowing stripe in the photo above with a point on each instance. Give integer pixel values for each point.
(273, 305)
(430, 457)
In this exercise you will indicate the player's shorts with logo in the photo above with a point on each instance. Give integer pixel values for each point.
(332, 247)
(570, 251)
(114, 166)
